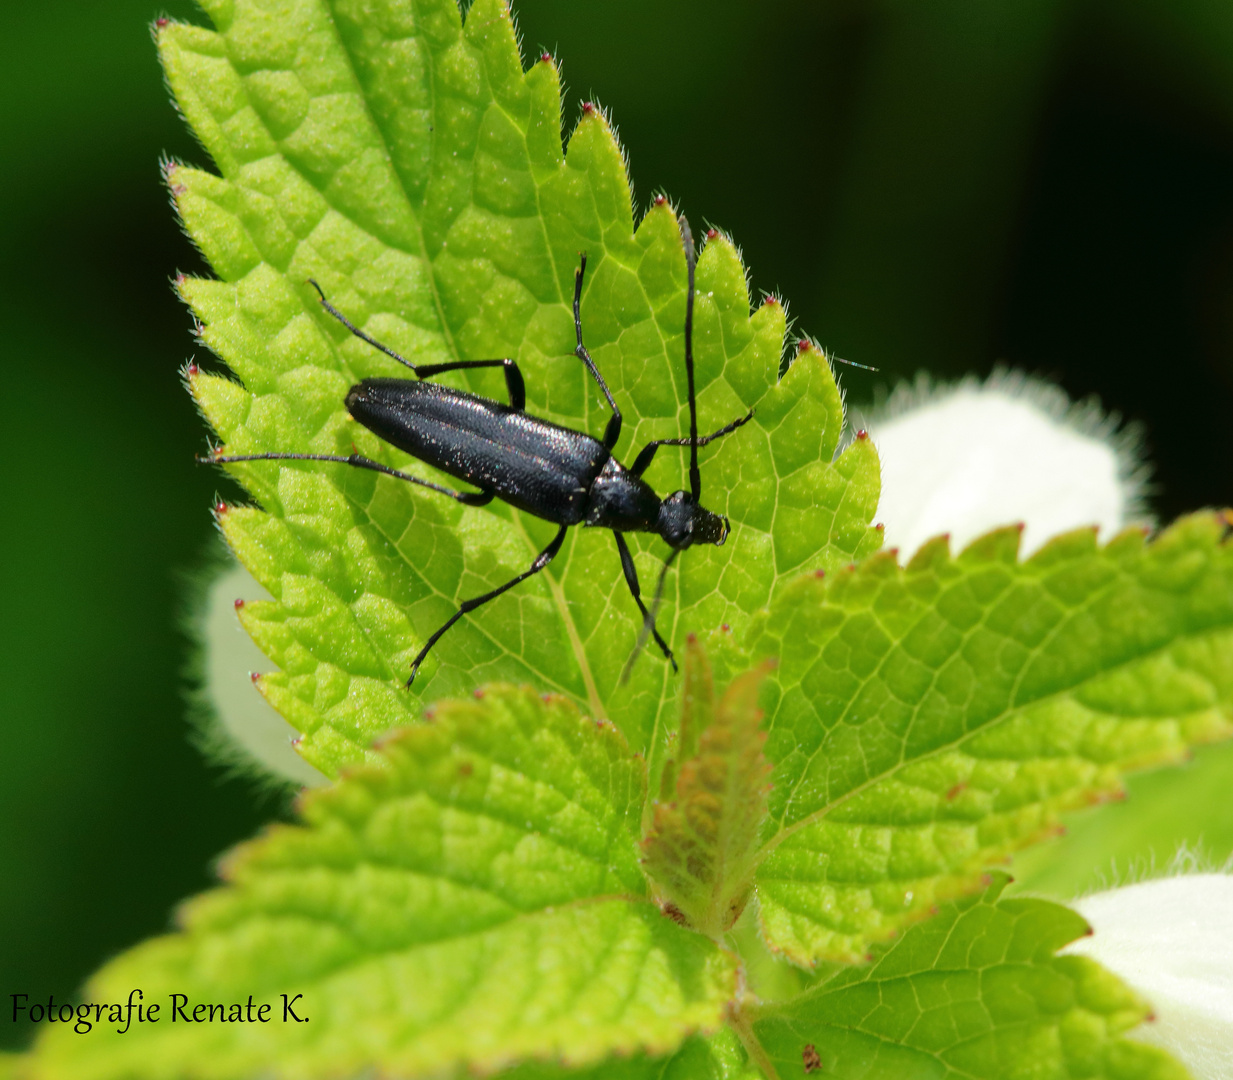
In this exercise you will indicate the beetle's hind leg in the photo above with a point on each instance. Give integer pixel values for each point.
(335, 313)
(514, 383)
(541, 560)
(513, 376)
(631, 579)
(467, 498)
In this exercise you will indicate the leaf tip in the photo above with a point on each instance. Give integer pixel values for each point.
(169, 167)
(1002, 545)
(933, 552)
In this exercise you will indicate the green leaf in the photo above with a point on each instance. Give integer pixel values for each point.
(702, 845)
(473, 901)
(975, 992)
(925, 722)
(719, 1056)
(409, 164)
(1169, 818)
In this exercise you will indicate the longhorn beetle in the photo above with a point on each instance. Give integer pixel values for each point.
(563, 476)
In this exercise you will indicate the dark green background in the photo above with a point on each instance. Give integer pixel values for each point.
(930, 183)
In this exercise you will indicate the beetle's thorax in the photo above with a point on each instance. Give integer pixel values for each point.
(622, 501)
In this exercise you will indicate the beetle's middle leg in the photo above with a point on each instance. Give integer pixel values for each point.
(631, 579)
(613, 431)
(541, 560)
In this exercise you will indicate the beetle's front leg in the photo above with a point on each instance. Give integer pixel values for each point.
(631, 579)
(648, 452)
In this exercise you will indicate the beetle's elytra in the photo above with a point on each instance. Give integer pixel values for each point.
(563, 476)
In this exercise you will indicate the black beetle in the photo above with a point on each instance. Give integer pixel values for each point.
(563, 476)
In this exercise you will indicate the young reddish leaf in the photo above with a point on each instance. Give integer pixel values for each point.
(702, 846)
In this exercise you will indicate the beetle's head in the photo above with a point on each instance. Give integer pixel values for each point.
(683, 522)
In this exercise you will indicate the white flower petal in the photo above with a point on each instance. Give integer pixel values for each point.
(244, 716)
(966, 458)
(1172, 940)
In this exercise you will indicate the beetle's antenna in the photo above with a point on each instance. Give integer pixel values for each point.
(850, 363)
(691, 258)
(648, 623)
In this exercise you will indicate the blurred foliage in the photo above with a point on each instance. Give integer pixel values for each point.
(930, 183)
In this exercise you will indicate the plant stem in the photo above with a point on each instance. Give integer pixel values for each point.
(739, 1020)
